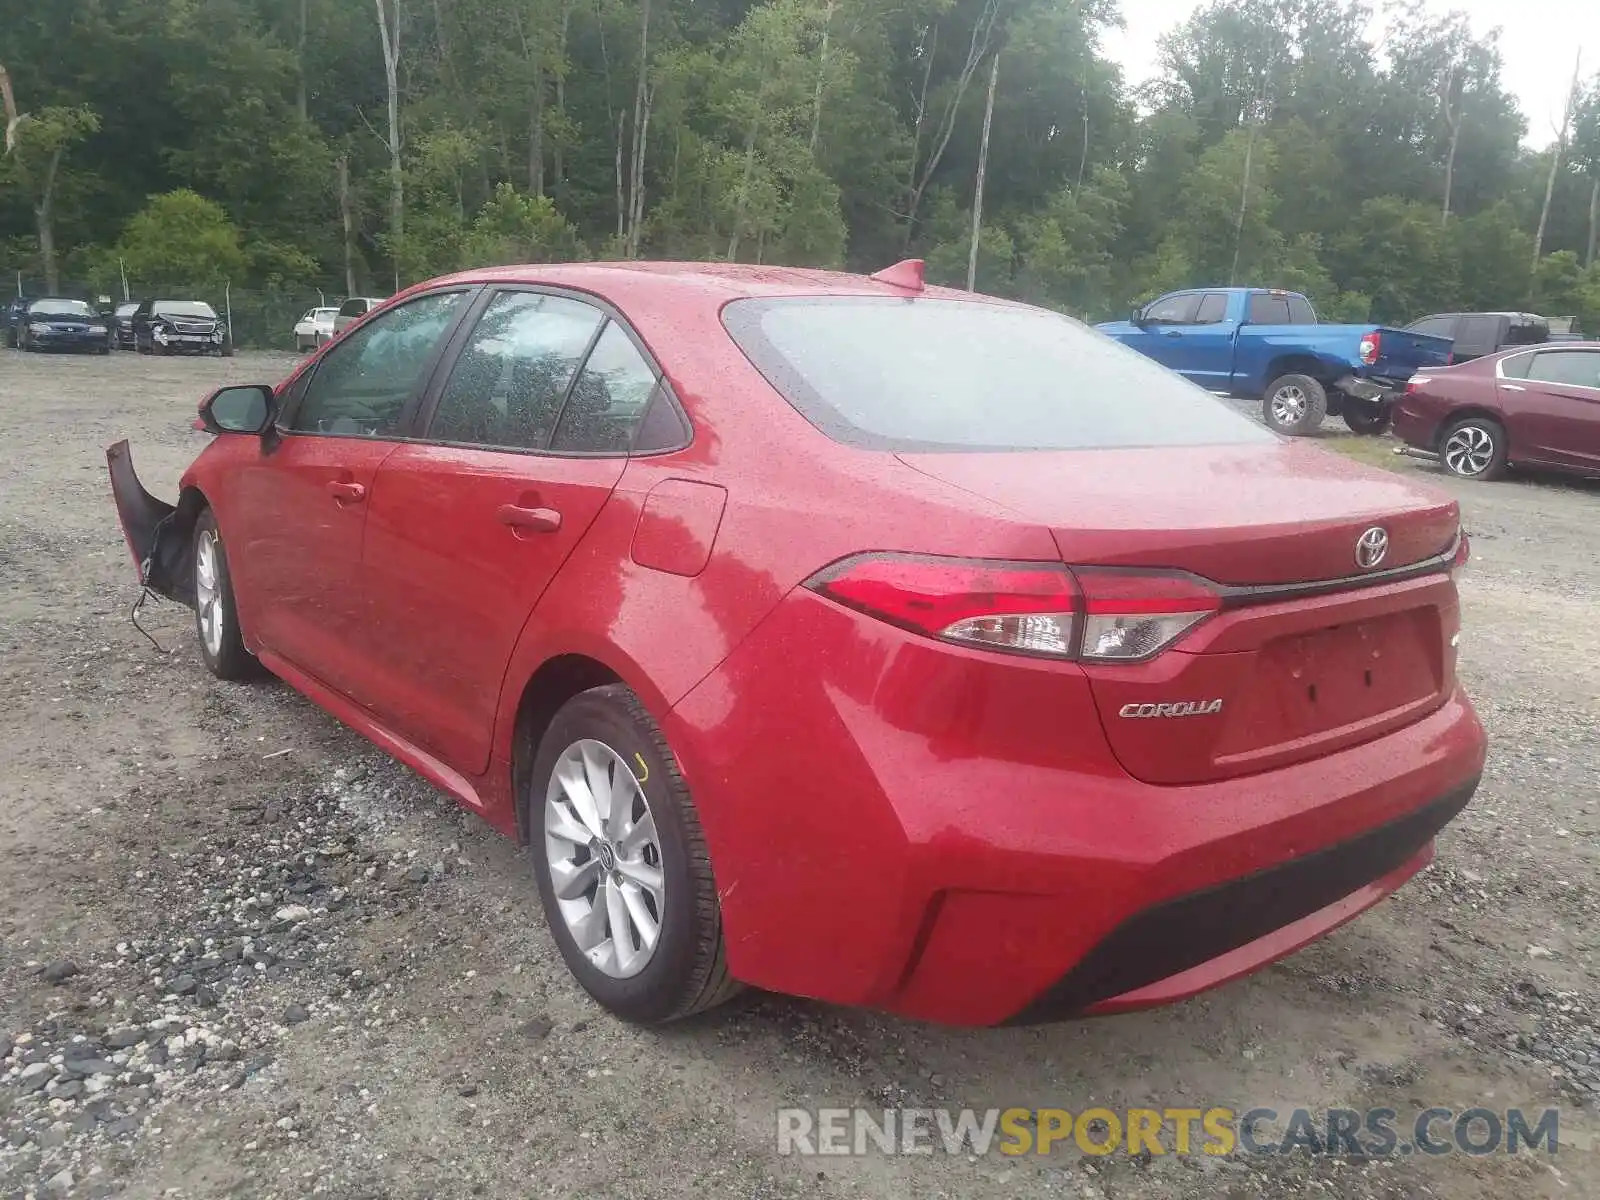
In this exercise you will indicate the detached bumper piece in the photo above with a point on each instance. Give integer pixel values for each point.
(157, 533)
(1182, 933)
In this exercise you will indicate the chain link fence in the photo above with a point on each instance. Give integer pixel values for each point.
(258, 318)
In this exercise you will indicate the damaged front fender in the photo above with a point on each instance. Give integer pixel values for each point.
(158, 534)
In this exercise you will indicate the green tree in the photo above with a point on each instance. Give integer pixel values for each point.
(181, 240)
(513, 227)
(36, 144)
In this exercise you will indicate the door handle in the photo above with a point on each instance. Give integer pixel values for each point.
(341, 490)
(529, 520)
(1171, 333)
(1513, 387)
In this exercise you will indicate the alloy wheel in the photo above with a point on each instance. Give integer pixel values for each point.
(604, 857)
(1289, 404)
(1469, 450)
(208, 592)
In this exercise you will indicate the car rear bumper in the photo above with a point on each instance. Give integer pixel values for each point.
(925, 830)
(1415, 426)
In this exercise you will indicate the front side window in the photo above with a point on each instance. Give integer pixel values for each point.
(1213, 308)
(609, 399)
(1576, 368)
(934, 374)
(1173, 310)
(362, 386)
(508, 383)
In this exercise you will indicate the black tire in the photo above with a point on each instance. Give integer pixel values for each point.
(688, 972)
(229, 659)
(1364, 419)
(1294, 405)
(1472, 441)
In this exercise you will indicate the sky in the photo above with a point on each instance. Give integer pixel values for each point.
(1538, 41)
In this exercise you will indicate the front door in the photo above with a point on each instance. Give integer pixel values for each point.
(303, 503)
(527, 437)
(1203, 350)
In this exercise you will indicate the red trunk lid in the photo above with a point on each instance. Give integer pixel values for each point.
(1298, 675)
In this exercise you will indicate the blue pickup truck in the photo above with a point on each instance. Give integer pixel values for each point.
(1266, 345)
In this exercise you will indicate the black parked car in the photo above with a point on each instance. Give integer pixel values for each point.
(179, 327)
(122, 324)
(1478, 334)
(11, 317)
(59, 324)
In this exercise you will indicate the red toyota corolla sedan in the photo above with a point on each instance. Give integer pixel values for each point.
(1534, 406)
(840, 636)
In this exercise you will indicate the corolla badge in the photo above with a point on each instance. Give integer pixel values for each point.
(1371, 546)
(1181, 708)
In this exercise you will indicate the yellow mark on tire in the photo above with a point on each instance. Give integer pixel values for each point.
(644, 767)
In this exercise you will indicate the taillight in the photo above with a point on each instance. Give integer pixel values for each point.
(1370, 345)
(1027, 608)
(1131, 615)
(1095, 614)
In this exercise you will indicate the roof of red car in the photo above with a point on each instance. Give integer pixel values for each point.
(722, 281)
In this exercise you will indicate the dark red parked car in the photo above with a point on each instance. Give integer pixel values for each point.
(840, 636)
(1535, 407)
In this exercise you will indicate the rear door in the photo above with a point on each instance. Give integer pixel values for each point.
(1552, 400)
(523, 442)
(301, 506)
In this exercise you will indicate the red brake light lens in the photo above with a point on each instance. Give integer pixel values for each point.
(1028, 608)
(1370, 346)
(1092, 614)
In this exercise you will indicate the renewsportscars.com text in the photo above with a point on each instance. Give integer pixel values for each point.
(1217, 1131)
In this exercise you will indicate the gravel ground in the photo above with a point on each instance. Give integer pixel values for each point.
(244, 954)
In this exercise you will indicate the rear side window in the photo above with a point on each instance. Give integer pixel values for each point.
(1572, 367)
(1301, 312)
(1444, 327)
(933, 374)
(1213, 308)
(1268, 310)
(609, 398)
(1478, 335)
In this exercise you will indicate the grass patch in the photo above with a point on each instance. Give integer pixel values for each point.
(1374, 451)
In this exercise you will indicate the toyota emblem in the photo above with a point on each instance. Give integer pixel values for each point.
(1371, 546)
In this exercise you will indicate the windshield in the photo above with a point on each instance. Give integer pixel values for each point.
(60, 308)
(956, 375)
(183, 308)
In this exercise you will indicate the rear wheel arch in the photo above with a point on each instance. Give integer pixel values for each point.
(1297, 364)
(556, 681)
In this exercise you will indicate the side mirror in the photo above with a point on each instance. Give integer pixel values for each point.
(242, 409)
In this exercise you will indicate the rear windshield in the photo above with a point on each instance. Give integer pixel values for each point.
(183, 308)
(929, 374)
(353, 308)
